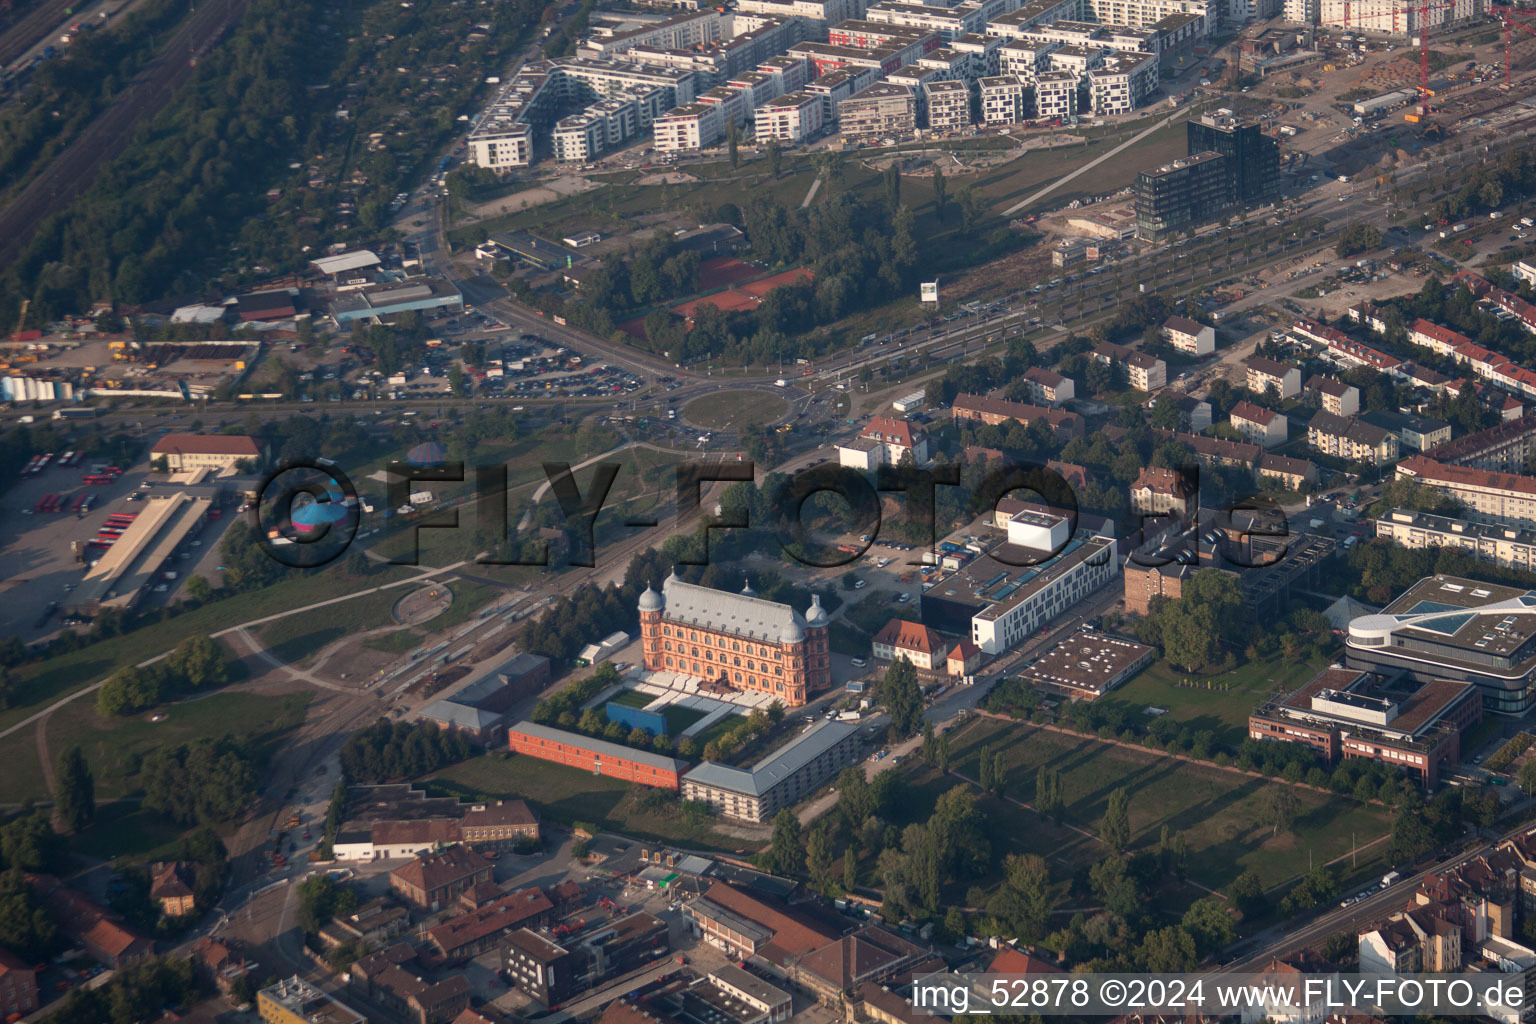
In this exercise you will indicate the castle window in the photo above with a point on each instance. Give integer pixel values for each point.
(735, 646)
(668, 645)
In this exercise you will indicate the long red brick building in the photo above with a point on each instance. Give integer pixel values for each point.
(737, 639)
(596, 756)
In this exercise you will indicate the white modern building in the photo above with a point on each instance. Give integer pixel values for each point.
(793, 118)
(1002, 100)
(689, 129)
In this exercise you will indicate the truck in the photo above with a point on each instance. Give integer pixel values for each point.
(1458, 229)
(1495, 214)
(1390, 877)
(781, 383)
(421, 498)
(1527, 222)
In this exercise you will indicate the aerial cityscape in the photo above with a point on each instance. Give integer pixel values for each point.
(832, 511)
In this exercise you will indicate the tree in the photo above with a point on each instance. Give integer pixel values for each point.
(1527, 776)
(1357, 237)
(1115, 828)
(198, 662)
(850, 870)
(127, 691)
(940, 192)
(902, 699)
(1048, 798)
(890, 182)
(775, 156)
(930, 748)
(819, 862)
(984, 770)
(1167, 951)
(785, 854)
(1247, 894)
(1208, 921)
(999, 774)
(733, 144)
(1280, 806)
(74, 795)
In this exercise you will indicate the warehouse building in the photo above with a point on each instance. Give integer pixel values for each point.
(596, 756)
(119, 577)
(419, 295)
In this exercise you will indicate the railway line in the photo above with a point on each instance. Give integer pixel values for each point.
(105, 138)
(30, 27)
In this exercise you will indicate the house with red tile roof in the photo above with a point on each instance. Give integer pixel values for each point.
(914, 641)
(106, 939)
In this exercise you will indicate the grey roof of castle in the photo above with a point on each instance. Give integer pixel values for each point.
(737, 614)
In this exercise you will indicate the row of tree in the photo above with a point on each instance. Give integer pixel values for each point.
(198, 664)
(389, 750)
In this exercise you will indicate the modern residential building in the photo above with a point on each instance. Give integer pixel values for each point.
(1056, 94)
(948, 104)
(1002, 99)
(793, 118)
(1252, 161)
(596, 756)
(1258, 425)
(1353, 713)
(1124, 82)
(544, 969)
(1180, 196)
(880, 111)
(1144, 372)
(1334, 395)
(783, 778)
(913, 641)
(1263, 374)
(1487, 496)
(1188, 336)
(739, 640)
(1351, 439)
(689, 129)
(1446, 628)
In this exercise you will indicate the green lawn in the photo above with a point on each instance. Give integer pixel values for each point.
(679, 718)
(114, 746)
(717, 730)
(298, 638)
(632, 698)
(1223, 712)
(44, 682)
(397, 642)
(124, 829)
(1219, 812)
(722, 409)
(568, 795)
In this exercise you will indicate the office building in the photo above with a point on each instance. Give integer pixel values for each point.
(783, 778)
(1449, 628)
(1351, 713)
(1180, 196)
(1252, 158)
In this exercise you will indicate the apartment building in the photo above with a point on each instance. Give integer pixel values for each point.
(1488, 496)
(1123, 83)
(1049, 387)
(949, 106)
(1144, 372)
(1002, 100)
(1263, 374)
(1258, 425)
(1027, 61)
(1056, 94)
(1289, 473)
(689, 129)
(997, 411)
(1189, 336)
(1507, 547)
(1505, 446)
(793, 118)
(881, 111)
(1334, 395)
(1351, 439)
(1157, 491)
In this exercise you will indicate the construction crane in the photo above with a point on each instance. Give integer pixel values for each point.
(1422, 9)
(1511, 16)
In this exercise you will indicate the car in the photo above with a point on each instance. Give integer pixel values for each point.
(860, 584)
(858, 662)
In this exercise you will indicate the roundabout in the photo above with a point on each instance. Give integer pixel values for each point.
(423, 605)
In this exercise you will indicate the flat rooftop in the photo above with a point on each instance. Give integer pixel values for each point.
(1088, 661)
(1475, 617)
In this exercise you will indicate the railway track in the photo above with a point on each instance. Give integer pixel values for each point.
(105, 138)
(30, 27)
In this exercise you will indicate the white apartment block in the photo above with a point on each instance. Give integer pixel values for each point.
(1145, 13)
(681, 32)
(1027, 60)
(792, 118)
(1002, 100)
(1077, 59)
(950, 66)
(504, 148)
(792, 74)
(732, 103)
(983, 50)
(759, 87)
(689, 129)
(949, 106)
(1302, 12)
(1505, 546)
(816, 15)
(1124, 83)
(1056, 94)
(1383, 17)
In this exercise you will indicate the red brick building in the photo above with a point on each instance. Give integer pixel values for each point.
(740, 640)
(597, 756)
(434, 880)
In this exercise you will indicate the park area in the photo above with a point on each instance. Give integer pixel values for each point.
(734, 409)
(1221, 702)
(1221, 813)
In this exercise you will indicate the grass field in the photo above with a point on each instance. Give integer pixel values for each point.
(717, 730)
(1220, 813)
(679, 718)
(298, 638)
(124, 829)
(568, 795)
(395, 643)
(631, 698)
(44, 682)
(1223, 712)
(731, 409)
